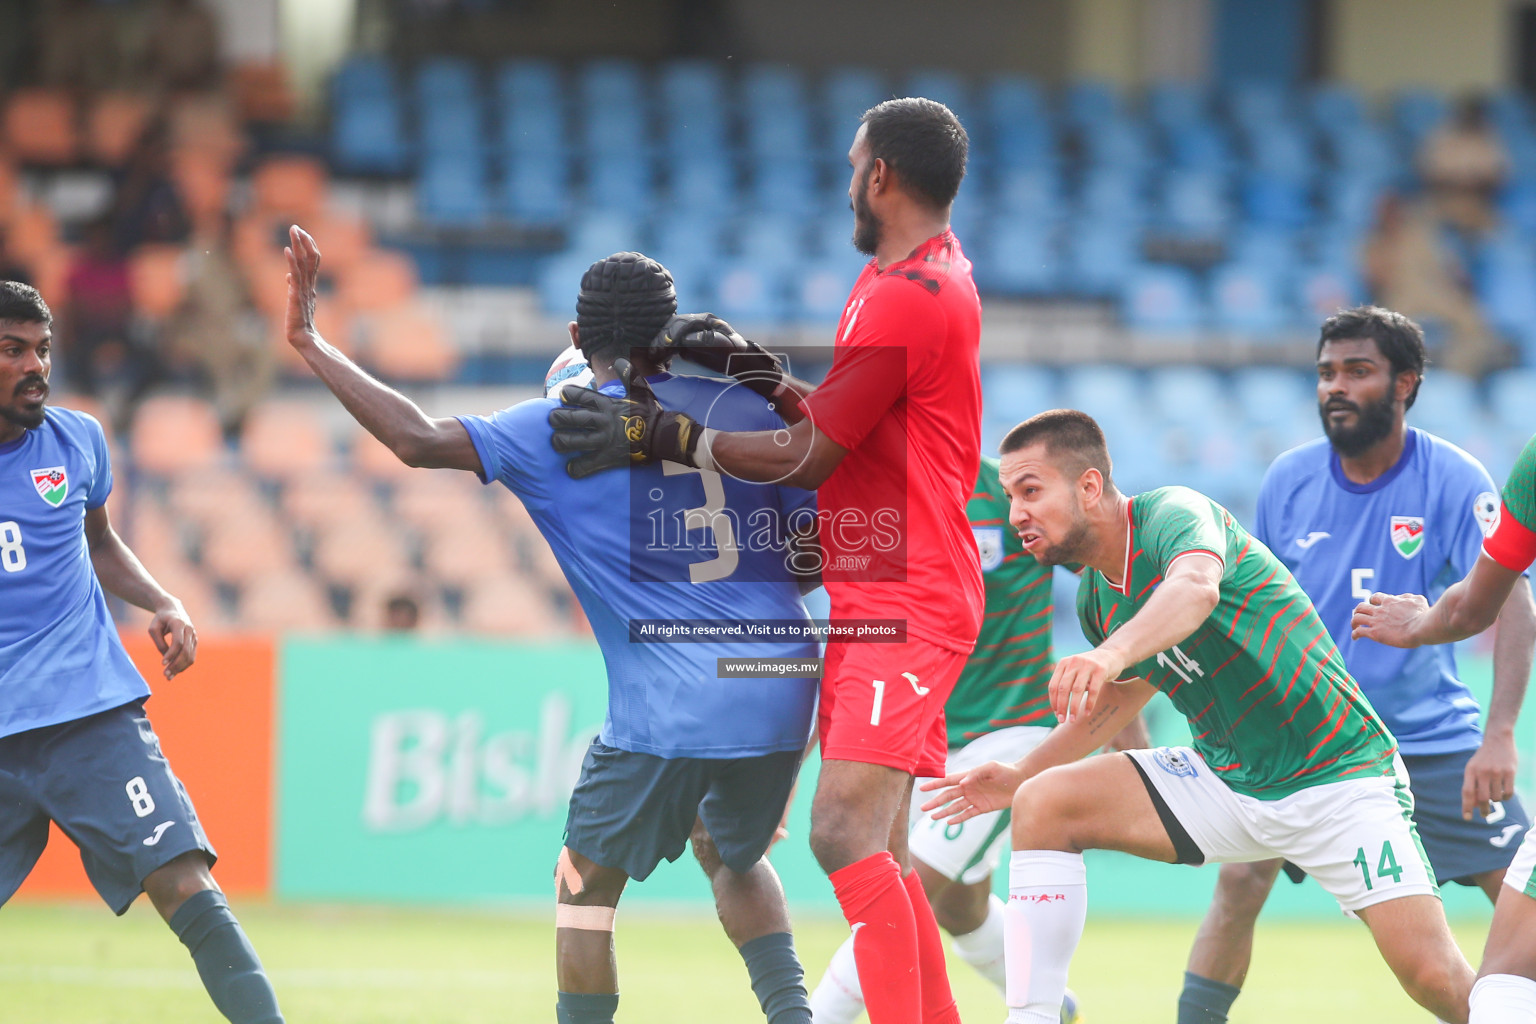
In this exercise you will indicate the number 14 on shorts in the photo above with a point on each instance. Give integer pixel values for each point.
(1386, 865)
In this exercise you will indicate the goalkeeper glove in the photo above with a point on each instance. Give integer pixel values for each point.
(605, 431)
(705, 339)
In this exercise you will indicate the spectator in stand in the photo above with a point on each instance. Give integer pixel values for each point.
(183, 50)
(11, 268)
(147, 206)
(80, 46)
(1409, 268)
(218, 332)
(1463, 163)
(98, 309)
(401, 613)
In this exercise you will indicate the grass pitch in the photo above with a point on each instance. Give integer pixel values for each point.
(74, 964)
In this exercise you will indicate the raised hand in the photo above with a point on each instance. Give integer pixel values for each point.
(964, 795)
(712, 343)
(303, 282)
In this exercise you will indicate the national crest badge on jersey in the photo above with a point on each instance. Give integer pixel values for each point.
(989, 544)
(1407, 534)
(52, 484)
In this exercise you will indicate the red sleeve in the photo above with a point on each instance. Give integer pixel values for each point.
(896, 329)
(1510, 542)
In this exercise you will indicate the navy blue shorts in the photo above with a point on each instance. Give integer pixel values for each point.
(105, 782)
(1460, 849)
(630, 810)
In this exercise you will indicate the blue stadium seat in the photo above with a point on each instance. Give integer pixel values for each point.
(1324, 289)
(1113, 395)
(1173, 105)
(1189, 396)
(1507, 288)
(1335, 108)
(1276, 248)
(1417, 112)
(452, 192)
(1112, 195)
(442, 82)
(691, 235)
(1448, 404)
(453, 131)
(1368, 151)
(528, 82)
(1512, 398)
(599, 233)
(772, 241)
(822, 288)
(559, 280)
(364, 76)
(1162, 300)
(693, 85)
(846, 94)
(1015, 393)
(368, 136)
(536, 191)
(1016, 256)
(786, 187)
(1283, 152)
(612, 98)
(949, 89)
(1350, 200)
(1028, 191)
(1249, 300)
(616, 184)
(1270, 395)
(1257, 106)
(748, 292)
(1274, 200)
(703, 186)
(1121, 144)
(1090, 102)
(1194, 205)
(1098, 259)
(1202, 146)
(774, 113)
(533, 130)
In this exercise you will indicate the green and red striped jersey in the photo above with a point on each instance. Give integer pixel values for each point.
(1511, 539)
(1270, 704)
(1005, 677)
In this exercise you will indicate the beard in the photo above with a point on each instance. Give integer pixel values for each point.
(27, 418)
(1071, 547)
(1373, 421)
(866, 226)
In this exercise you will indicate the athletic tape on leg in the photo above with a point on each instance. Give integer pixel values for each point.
(589, 919)
(566, 872)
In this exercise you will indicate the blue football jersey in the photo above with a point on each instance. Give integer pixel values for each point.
(60, 656)
(1416, 529)
(664, 541)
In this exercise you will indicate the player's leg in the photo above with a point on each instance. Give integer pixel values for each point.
(737, 821)
(1505, 991)
(628, 812)
(881, 722)
(1218, 960)
(1416, 942)
(1473, 851)
(23, 824)
(1047, 892)
(111, 790)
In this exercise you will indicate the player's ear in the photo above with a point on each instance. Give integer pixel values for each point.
(1090, 486)
(575, 335)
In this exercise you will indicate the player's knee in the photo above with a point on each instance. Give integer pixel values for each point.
(1438, 983)
(705, 851)
(1037, 814)
(1242, 889)
(580, 882)
(172, 884)
(833, 846)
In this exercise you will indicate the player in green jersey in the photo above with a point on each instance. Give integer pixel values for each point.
(1505, 991)
(999, 710)
(1288, 759)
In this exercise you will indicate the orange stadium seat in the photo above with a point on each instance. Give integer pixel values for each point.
(157, 276)
(410, 344)
(292, 186)
(261, 91)
(513, 515)
(285, 439)
(284, 599)
(33, 233)
(541, 558)
(10, 191)
(201, 496)
(345, 242)
(511, 606)
(83, 403)
(40, 126)
(379, 280)
(369, 598)
(196, 593)
(114, 124)
(463, 557)
(374, 460)
(172, 433)
(352, 553)
(245, 544)
(429, 498)
(326, 498)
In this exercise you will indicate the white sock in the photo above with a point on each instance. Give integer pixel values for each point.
(983, 948)
(1503, 999)
(1043, 923)
(838, 999)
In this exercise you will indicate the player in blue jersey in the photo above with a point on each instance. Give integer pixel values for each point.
(1381, 506)
(684, 751)
(75, 745)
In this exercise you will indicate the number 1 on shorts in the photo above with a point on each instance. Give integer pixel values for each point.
(874, 715)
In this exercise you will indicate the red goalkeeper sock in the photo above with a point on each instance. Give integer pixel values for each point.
(875, 902)
(938, 1001)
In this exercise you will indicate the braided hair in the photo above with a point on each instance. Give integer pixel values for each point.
(625, 300)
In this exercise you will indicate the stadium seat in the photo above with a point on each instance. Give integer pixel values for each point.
(1173, 105)
(1512, 397)
(748, 292)
(1270, 395)
(366, 75)
(1190, 396)
(443, 83)
(452, 192)
(204, 183)
(770, 241)
(1249, 300)
(1448, 404)
(113, 126)
(326, 498)
(191, 587)
(1034, 192)
(40, 127)
(429, 500)
(1016, 256)
(536, 190)
(1015, 392)
(291, 186)
(371, 459)
(623, 184)
(1417, 112)
(1104, 392)
(243, 543)
(1276, 200)
(368, 136)
(1098, 259)
(846, 94)
(528, 82)
(785, 188)
(199, 497)
(775, 114)
(509, 606)
(463, 558)
(1334, 107)
(354, 552)
(1324, 289)
(411, 343)
(381, 279)
(1194, 205)
(285, 600)
(284, 439)
(1088, 102)
(156, 277)
(1162, 300)
(823, 286)
(947, 88)
(172, 433)
(1202, 147)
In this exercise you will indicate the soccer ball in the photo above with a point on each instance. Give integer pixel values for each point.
(569, 367)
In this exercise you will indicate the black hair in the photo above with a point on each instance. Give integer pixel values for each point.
(1399, 339)
(923, 142)
(624, 302)
(23, 304)
(1072, 439)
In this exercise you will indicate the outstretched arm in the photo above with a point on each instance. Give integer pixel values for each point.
(123, 575)
(416, 438)
(1490, 774)
(1465, 609)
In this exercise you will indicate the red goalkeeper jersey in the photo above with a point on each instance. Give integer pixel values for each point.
(904, 397)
